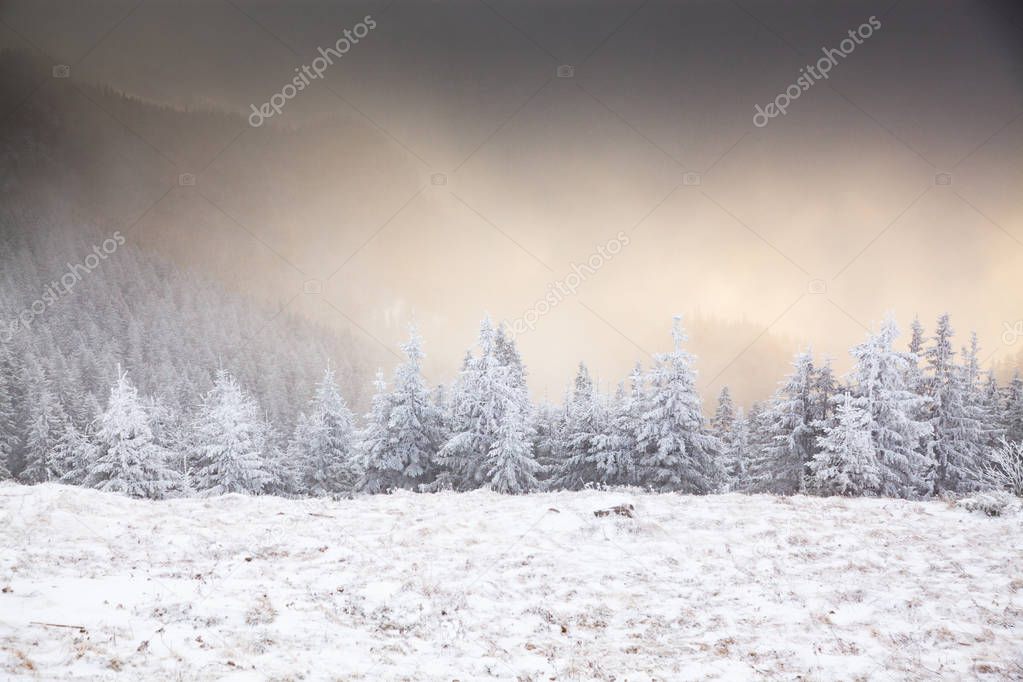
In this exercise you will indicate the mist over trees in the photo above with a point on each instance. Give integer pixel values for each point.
(138, 386)
(155, 381)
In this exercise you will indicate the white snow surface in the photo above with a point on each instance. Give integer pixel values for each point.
(468, 586)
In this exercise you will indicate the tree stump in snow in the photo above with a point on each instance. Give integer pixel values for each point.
(626, 510)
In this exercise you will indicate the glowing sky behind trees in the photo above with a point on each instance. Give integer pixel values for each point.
(463, 176)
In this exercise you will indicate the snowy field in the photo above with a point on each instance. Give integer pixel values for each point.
(483, 586)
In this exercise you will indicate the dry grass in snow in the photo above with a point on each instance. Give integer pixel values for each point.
(480, 586)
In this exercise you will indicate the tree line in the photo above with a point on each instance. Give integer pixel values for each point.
(905, 423)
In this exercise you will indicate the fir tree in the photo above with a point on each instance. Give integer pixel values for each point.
(1012, 421)
(506, 353)
(992, 413)
(916, 337)
(282, 475)
(737, 453)
(323, 447)
(231, 441)
(980, 397)
(380, 464)
(724, 416)
(73, 454)
(9, 438)
(616, 464)
(916, 349)
(824, 391)
(674, 450)
(415, 422)
(412, 431)
(442, 408)
(510, 466)
(787, 431)
(548, 425)
(958, 434)
(602, 443)
(583, 428)
(127, 459)
(45, 424)
(847, 463)
(880, 383)
(490, 408)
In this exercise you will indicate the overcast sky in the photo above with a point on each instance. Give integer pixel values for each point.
(808, 229)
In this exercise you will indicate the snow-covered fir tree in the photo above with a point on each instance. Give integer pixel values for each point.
(917, 341)
(724, 416)
(416, 423)
(507, 354)
(442, 408)
(979, 391)
(727, 425)
(674, 450)
(548, 427)
(939, 355)
(880, 380)
(490, 408)
(992, 411)
(846, 463)
(73, 454)
(1012, 419)
(322, 450)
(584, 423)
(171, 431)
(411, 435)
(616, 445)
(737, 454)
(9, 440)
(127, 460)
(629, 421)
(509, 465)
(512, 466)
(282, 474)
(958, 435)
(231, 440)
(379, 464)
(825, 391)
(601, 436)
(787, 431)
(46, 419)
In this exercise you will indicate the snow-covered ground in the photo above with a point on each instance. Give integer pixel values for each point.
(479, 585)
